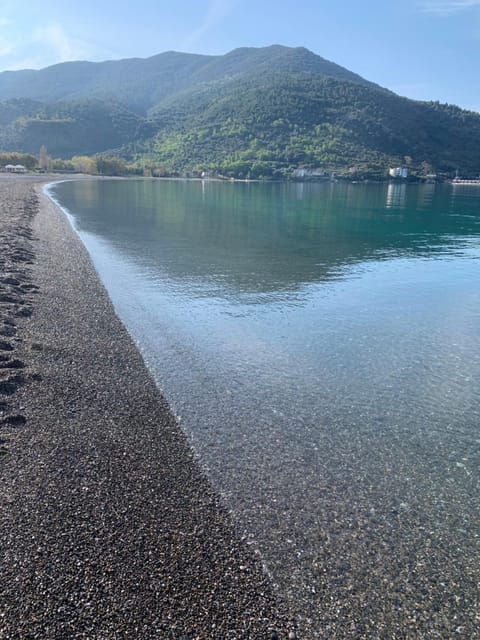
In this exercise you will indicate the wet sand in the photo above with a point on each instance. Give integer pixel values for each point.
(108, 526)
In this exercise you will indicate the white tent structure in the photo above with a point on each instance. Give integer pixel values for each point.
(14, 168)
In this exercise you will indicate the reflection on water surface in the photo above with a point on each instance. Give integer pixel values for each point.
(321, 345)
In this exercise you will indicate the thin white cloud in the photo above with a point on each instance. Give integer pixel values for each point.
(46, 45)
(59, 45)
(217, 11)
(448, 7)
(49, 44)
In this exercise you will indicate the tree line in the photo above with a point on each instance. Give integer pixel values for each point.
(92, 165)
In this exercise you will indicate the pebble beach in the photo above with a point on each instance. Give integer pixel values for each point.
(108, 526)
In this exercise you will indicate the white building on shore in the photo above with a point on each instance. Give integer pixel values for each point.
(398, 172)
(14, 168)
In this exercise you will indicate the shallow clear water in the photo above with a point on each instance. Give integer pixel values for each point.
(321, 346)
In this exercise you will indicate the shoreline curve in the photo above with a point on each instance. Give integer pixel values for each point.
(108, 526)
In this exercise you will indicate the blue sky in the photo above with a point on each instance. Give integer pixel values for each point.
(424, 49)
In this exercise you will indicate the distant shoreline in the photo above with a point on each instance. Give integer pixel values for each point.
(55, 177)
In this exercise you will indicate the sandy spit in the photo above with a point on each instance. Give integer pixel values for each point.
(108, 527)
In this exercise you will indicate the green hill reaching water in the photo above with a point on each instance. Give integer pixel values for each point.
(250, 113)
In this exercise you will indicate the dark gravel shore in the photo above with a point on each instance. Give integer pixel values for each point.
(108, 527)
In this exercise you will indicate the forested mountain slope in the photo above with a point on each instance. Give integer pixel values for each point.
(252, 112)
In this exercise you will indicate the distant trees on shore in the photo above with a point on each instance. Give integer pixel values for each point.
(94, 165)
(26, 159)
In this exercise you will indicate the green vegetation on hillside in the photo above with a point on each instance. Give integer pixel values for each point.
(257, 113)
(81, 127)
(248, 128)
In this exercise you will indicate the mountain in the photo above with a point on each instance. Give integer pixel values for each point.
(143, 83)
(252, 112)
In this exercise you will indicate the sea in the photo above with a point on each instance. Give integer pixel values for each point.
(319, 344)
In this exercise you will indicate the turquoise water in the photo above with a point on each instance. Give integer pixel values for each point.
(320, 344)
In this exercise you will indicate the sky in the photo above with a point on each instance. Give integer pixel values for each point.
(422, 49)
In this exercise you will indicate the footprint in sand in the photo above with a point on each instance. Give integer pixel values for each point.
(13, 421)
(24, 312)
(11, 363)
(10, 280)
(29, 288)
(11, 384)
(9, 298)
(8, 331)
